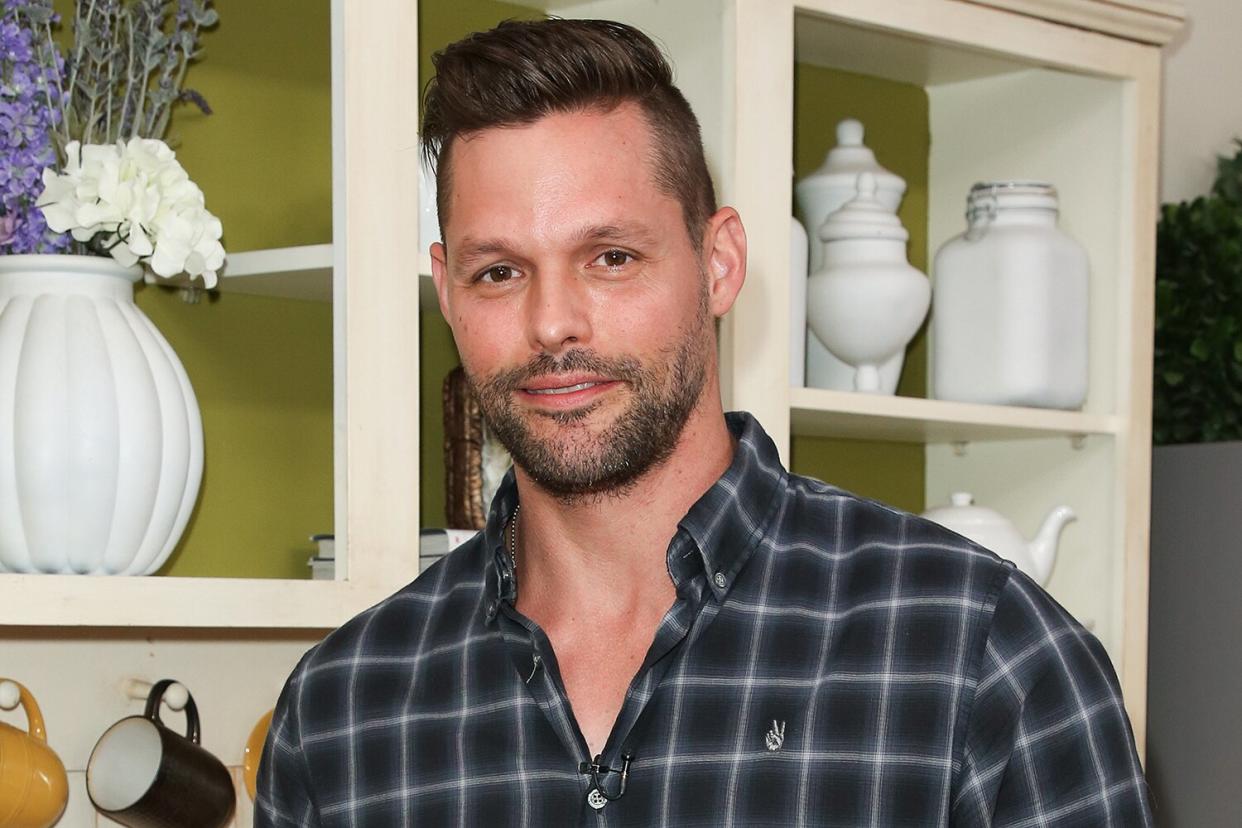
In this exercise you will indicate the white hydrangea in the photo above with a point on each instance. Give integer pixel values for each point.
(140, 201)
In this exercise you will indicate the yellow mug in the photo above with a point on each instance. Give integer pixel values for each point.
(254, 751)
(33, 785)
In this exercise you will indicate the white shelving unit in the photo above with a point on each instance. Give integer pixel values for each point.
(1061, 89)
(1015, 90)
(375, 335)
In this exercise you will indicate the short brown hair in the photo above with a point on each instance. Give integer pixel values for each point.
(522, 71)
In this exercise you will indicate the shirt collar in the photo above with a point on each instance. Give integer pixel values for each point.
(725, 524)
(733, 516)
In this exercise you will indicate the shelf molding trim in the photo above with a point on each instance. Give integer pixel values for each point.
(1146, 21)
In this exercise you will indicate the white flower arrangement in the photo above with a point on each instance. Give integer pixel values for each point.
(133, 200)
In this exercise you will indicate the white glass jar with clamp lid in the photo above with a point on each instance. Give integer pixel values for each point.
(1009, 323)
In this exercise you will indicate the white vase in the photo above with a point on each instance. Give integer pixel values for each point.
(866, 302)
(824, 191)
(101, 441)
(819, 195)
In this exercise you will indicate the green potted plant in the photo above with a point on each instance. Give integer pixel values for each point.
(1197, 390)
(1196, 523)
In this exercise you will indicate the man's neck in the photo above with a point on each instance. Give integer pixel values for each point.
(606, 554)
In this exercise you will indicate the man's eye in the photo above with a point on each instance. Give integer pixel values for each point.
(614, 258)
(497, 273)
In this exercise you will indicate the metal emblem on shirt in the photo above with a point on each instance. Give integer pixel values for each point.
(776, 736)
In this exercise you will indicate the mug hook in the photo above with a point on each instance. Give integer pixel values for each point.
(13, 693)
(152, 710)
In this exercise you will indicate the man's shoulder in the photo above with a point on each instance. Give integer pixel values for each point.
(885, 551)
(439, 605)
(879, 560)
(1033, 639)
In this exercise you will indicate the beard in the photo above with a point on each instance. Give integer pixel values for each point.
(576, 461)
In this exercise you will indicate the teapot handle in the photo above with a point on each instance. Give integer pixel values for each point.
(152, 711)
(34, 716)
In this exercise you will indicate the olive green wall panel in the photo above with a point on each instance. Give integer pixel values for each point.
(262, 371)
(896, 119)
(261, 368)
(264, 156)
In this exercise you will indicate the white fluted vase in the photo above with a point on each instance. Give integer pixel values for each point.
(101, 440)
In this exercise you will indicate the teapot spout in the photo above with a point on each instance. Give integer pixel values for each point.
(1044, 547)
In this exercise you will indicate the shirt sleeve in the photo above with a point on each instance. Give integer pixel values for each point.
(283, 789)
(1047, 739)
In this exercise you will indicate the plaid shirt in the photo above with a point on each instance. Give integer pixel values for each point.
(827, 661)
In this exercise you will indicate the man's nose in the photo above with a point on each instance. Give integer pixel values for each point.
(557, 311)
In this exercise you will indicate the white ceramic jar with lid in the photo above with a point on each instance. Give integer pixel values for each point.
(820, 194)
(1009, 325)
(866, 302)
(798, 246)
(824, 191)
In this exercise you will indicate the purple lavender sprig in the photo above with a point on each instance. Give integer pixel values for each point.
(30, 116)
(128, 64)
(120, 79)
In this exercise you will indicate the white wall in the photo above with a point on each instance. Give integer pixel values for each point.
(1202, 104)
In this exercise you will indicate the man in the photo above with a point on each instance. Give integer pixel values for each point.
(660, 625)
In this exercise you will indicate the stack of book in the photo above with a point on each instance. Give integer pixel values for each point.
(323, 564)
(434, 544)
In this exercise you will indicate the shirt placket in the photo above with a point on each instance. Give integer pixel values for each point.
(536, 665)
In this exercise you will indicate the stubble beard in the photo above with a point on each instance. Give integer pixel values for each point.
(578, 462)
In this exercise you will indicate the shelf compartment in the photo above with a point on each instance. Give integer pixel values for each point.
(852, 416)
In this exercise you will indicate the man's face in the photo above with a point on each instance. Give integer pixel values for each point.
(579, 306)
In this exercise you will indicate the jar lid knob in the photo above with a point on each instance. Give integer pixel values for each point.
(863, 216)
(850, 133)
(866, 185)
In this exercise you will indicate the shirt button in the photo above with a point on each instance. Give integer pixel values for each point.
(720, 580)
(491, 610)
(596, 799)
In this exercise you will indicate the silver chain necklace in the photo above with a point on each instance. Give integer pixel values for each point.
(513, 530)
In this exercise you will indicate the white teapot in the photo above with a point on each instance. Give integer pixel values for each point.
(993, 531)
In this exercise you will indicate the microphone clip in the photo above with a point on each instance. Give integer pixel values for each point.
(597, 766)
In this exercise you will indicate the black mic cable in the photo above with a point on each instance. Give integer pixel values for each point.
(596, 766)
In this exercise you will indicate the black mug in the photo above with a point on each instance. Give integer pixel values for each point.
(143, 775)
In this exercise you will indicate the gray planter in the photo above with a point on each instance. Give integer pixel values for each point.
(1194, 714)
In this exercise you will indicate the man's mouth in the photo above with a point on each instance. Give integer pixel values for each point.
(563, 389)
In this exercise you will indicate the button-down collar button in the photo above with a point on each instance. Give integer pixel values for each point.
(596, 799)
(720, 580)
(491, 610)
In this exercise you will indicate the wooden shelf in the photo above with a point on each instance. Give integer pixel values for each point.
(156, 601)
(217, 603)
(287, 272)
(844, 414)
(303, 272)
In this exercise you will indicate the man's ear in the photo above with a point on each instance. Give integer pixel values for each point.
(724, 250)
(439, 271)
